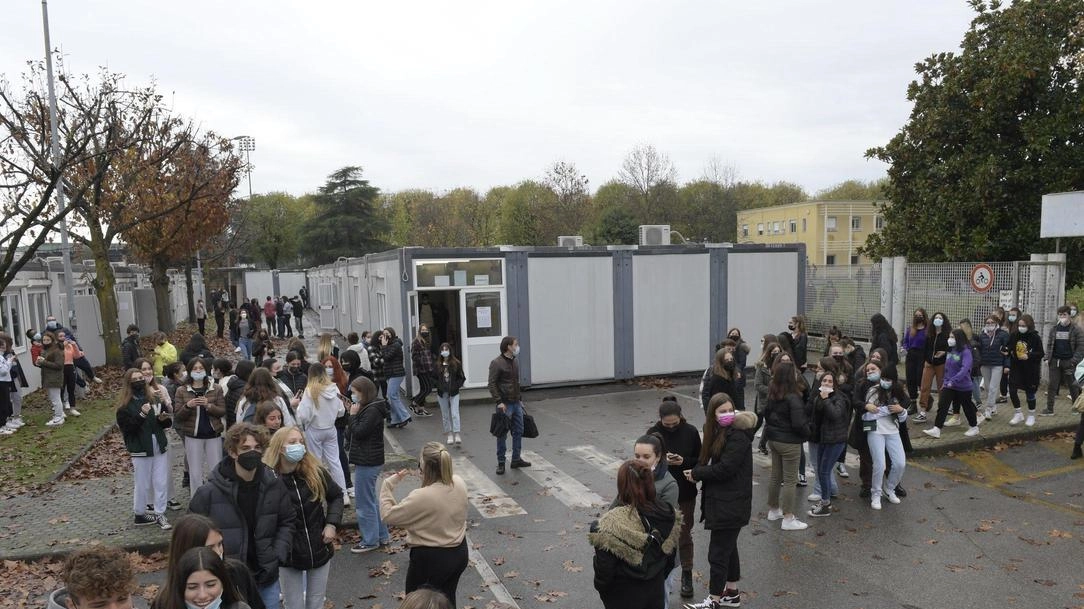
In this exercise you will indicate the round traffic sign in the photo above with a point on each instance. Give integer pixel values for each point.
(982, 277)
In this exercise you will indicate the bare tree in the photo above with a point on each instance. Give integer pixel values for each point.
(645, 168)
(573, 195)
(718, 171)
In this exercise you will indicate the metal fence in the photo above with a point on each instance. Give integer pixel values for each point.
(842, 296)
(848, 296)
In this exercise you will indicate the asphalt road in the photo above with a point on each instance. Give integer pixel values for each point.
(986, 529)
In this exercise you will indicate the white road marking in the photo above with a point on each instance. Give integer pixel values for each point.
(596, 457)
(483, 493)
(565, 488)
(393, 443)
(489, 577)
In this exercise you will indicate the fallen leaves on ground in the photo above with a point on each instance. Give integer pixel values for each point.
(571, 566)
(550, 597)
(107, 458)
(385, 569)
(653, 382)
(25, 584)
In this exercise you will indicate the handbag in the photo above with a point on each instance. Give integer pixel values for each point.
(498, 424)
(1078, 405)
(530, 429)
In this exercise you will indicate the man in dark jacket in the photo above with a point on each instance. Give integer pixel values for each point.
(129, 349)
(250, 505)
(682, 442)
(504, 387)
(1065, 349)
(365, 438)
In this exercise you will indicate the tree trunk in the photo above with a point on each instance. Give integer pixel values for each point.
(160, 282)
(190, 290)
(105, 283)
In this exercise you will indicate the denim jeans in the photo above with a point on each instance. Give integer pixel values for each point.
(399, 412)
(878, 443)
(514, 410)
(246, 347)
(304, 589)
(270, 595)
(372, 528)
(449, 412)
(825, 458)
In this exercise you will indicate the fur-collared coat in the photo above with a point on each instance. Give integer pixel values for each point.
(634, 551)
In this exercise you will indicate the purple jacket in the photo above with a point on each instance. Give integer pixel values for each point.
(958, 369)
(914, 340)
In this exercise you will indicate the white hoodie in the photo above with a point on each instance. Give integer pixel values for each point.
(321, 414)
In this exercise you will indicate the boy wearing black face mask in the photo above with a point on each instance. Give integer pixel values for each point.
(249, 504)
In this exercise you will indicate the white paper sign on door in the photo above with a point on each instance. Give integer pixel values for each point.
(484, 317)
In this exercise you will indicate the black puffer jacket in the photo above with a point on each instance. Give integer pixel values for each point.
(634, 551)
(365, 434)
(376, 361)
(727, 481)
(275, 517)
(234, 388)
(785, 420)
(393, 359)
(308, 550)
(449, 380)
(831, 417)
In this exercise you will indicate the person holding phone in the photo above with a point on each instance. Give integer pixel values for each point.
(933, 370)
(143, 417)
(199, 411)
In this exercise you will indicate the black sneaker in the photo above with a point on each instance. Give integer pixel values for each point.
(730, 598)
(900, 491)
(520, 463)
(150, 507)
(686, 584)
(173, 505)
(1049, 412)
(145, 519)
(500, 468)
(821, 509)
(802, 481)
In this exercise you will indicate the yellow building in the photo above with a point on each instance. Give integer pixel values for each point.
(832, 231)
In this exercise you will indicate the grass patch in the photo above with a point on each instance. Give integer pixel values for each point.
(35, 453)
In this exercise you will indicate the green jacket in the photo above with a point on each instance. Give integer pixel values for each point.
(138, 429)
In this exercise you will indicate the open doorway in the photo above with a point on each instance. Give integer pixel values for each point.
(439, 310)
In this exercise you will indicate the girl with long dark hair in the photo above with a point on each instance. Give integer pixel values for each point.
(786, 429)
(933, 370)
(914, 344)
(199, 580)
(449, 376)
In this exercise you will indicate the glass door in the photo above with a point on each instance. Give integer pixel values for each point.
(327, 306)
(483, 322)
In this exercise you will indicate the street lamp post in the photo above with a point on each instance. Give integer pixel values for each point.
(246, 144)
(54, 137)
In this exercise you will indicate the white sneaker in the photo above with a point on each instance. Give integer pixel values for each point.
(841, 469)
(55, 422)
(892, 498)
(237, 350)
(1030, 421)
(350, 492)
(346, 500)
(813, 497)
(6, 431)
(775, 514)
(1017, 418)
(993, 411)
(458, 440)
(16, 422)
(875, 502)
(952, 421)
(988, 415)
(793, 524)
(451, 439)
(974, 431)
(73, 412)
(933, 432)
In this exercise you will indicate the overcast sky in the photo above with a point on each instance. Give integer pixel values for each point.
(467, 93)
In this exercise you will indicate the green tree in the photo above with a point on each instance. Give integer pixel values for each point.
(706, 211)
(573, 197)
(993, 128)
(274, 222)
(526, 215)
(615, 226)
(751, 195)
(345, 220)
(854, 190)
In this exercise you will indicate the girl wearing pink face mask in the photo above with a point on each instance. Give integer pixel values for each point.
(725, 469)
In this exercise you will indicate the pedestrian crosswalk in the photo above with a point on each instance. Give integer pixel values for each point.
(490, 499)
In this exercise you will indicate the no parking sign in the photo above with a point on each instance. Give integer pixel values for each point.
(982, 277)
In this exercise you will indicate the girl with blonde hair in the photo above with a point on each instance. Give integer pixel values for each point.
(435, 519)
(320, 405)
(310, 487)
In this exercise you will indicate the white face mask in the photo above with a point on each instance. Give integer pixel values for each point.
(330, 372)
(515, 350)
(445, 353)
(990, 327)
(1063, 320)
(826, 389)
(952, 342)
(1022, 329)
(198, 375)
(937, 321)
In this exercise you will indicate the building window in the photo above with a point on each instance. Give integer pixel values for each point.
(744, 230)
(11, 319)
(854, 260)
(793, 226)
(879, 222)
(803, 225)
(37, 310)
(777, 227)
(830, 260)
(830, 224)
(760, 229)
(856, 222)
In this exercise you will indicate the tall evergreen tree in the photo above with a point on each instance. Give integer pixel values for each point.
(345, 222)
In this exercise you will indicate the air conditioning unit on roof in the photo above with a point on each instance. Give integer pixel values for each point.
(655, 234)
(570, 241)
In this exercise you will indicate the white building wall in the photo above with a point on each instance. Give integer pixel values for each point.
(571, 297)
(762, 293)
(670, 312)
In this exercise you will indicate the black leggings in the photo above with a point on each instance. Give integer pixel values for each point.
(438, 568)
(913, 367)
(425, 387)
(1079, 432)
(955, 397)
(723, 559)
(69, 383)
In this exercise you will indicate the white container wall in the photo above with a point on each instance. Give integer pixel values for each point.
(762, 293)
(572, 311)
(670, 313)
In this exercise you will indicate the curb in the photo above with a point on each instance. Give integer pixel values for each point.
(82, 453)
(943, 449)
